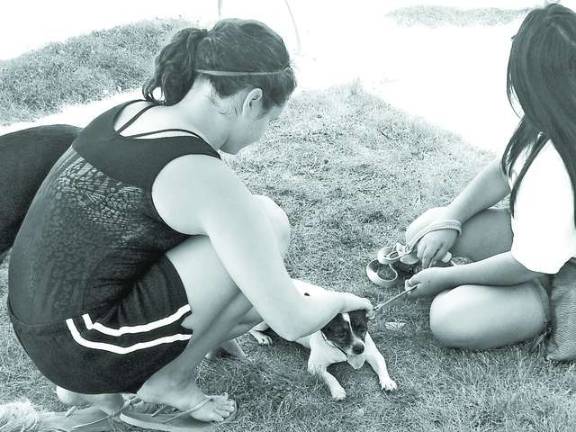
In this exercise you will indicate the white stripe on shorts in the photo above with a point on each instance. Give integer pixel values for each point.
(122, 350)
(138, 328)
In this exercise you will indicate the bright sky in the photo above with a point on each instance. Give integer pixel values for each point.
(453, 77)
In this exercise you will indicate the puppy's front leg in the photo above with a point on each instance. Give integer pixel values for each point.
(376, 360)
(256, 333)
(336, 390)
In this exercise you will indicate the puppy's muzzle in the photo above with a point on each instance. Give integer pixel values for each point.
(358, 348)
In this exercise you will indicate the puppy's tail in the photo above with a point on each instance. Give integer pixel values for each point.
(26, 157)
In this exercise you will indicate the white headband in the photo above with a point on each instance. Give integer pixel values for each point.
(235, 73)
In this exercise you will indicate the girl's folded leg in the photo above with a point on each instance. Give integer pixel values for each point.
(483, 317)
(477, 316)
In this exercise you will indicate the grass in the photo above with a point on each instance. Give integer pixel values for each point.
(435, 16)
(80, 70)
(351, 171)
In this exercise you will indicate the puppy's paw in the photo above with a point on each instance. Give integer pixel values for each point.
(261, 338)
(265, 340)
(388, 384)
(338, 394)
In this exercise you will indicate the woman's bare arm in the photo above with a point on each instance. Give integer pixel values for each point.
(201, 195)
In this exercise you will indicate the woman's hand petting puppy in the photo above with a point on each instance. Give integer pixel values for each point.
(351, 302)
(347, 302)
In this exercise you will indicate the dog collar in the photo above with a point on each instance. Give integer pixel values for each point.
(332, 344)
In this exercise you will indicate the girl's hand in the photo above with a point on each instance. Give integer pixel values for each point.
(434, 246)
(428, 282)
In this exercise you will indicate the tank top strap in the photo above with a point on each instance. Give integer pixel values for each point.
(134, 118)
(136, 162)
(161, 131)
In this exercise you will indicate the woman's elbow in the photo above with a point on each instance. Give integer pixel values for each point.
(290, 335)
(290, 332)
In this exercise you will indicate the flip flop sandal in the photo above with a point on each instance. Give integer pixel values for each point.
(175, 422)
(91, 419)
(399, 257)
(383, 275)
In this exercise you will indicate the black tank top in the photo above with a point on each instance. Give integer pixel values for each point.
(92, 228)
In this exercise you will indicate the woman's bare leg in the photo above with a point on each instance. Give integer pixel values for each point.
(477, 316)
(109, 403)
(230, 345)
(219, 311)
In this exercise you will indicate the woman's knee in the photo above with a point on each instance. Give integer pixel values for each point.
(235, 311)
(423, 220)
(251, 318)
(278, 219)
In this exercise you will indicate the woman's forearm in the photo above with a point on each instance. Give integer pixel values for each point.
(486, 189)
(502, 269)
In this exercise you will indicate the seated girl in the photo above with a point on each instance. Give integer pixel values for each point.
(520, 253)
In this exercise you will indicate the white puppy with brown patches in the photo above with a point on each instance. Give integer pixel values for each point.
(344, 339)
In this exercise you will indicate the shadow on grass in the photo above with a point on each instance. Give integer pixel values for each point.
(351, 171)
(436, 16)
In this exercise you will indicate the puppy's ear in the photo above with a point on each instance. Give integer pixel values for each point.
(336, 329)
(359, 319)
(359, 315)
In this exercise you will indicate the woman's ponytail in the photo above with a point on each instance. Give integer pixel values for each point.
(175, 68)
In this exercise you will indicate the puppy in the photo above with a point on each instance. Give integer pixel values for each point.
(344, 339)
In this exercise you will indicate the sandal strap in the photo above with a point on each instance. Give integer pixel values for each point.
(160, 410)
(163, 408)
(390, 255)
(109, 417)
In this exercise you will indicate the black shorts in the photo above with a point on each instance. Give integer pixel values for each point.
(114, 349)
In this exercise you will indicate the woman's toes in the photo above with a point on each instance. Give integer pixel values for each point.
(217, 409)
(224, 412)
(217, 417)
(228, 408)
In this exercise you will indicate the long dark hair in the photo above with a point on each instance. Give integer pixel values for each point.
(542, 79)
(232, 45)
